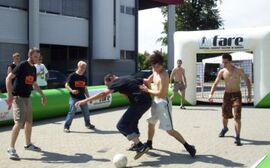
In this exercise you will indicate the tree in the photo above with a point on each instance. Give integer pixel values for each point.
(193, 15)
(143, 60)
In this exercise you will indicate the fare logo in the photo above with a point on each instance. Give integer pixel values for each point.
(29, 80)
(79, 84)
(219, 42)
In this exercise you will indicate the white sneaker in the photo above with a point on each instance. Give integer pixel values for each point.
(12, 154)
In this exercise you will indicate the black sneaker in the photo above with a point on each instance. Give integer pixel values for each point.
(32, 147)
(140, 151)
(90, 126)
(149, 144)
(191, 150)
(133, 147)
(182, 107)
(238, 142)
(223, 132)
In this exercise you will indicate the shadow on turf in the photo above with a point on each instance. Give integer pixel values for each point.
(95, 131)
(245, 141)
(168, 158)
(51, 157)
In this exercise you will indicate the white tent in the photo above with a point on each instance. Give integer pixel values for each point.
(236, 56)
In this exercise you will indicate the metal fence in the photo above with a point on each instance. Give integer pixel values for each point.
(205, 81)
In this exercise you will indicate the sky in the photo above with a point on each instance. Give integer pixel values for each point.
(235, 13)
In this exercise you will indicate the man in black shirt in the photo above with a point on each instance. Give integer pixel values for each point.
(24, 76)
(16, 60)
(76, 85)
(140, 102)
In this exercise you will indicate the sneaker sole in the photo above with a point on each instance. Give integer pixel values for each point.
(128, 149)
(34, 150)
(238, 144)
(14, 158)
(138, 155)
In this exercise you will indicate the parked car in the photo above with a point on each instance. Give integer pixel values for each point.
(56, 79)
(146, 73)
(143, 74)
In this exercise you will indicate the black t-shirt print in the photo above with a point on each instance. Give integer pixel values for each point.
(77, 82)
(25, 76)
(129, 86)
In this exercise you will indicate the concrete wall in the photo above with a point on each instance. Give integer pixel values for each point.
(101, 68)
(127, 27)
(63, 30)
(13, 26)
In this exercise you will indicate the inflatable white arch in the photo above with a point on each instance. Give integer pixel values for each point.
(187, 44)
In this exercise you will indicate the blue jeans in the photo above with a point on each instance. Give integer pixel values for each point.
(72, 110)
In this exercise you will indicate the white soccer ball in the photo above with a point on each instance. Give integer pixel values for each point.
(120, 160)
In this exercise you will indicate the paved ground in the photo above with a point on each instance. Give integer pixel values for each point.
(200, 125)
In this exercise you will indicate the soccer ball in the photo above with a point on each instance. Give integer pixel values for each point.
(120, 160)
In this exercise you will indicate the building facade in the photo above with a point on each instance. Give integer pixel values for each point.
(100, 32)
(104, 33)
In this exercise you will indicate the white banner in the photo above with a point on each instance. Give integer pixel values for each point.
(5, 114)
(101, 103)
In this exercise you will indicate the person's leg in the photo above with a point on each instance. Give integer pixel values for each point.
(18, 115)
(28, 132)
(140, 147)
(85, 111)
(225, 122)
(237, 127)
(183, 95)
(14, 133)
(128, 126)
(19, 118)
(237, 107)
(226, 113)
(173, 95)
(28, 126)
(225, 127)
(71, 114)
(28, 120)
(151, 133)
(190, 148)
(176, 135)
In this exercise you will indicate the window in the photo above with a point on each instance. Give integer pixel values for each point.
(130, 10)
(77, 53)
(122, 9)
(130, 55)
(127, 55)
(122, 55)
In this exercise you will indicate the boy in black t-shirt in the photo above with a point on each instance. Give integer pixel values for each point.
(24, 76)
(140, 102)
(76, 85)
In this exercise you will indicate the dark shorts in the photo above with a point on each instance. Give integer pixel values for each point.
(179, 86)
(232, 101)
